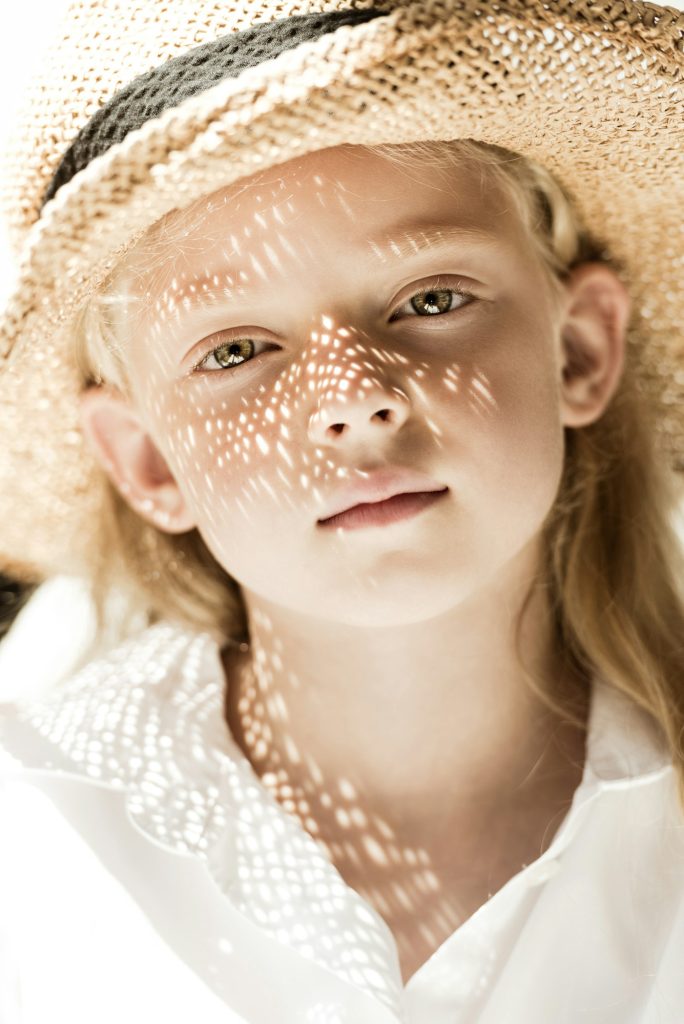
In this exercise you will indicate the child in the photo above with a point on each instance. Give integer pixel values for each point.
(401, 738)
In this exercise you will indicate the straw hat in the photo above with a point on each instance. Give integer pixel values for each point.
(592, 89)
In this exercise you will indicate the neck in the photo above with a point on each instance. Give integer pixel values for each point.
(415, 734)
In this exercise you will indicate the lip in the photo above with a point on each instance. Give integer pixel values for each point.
(382, 513)
(377, 488)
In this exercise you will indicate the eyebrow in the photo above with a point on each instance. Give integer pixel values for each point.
(412, 237)
(394, 244)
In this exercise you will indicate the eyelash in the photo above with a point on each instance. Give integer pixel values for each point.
(437, 285)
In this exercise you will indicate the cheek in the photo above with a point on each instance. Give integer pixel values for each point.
(504, 422)
(225, 461)
(526, 448)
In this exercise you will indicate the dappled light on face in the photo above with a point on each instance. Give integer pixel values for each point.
(314, 392)
(316, 322)
(310, 326)
(265, 392)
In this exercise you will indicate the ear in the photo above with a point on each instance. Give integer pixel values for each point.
(593, 337)
(115, 432)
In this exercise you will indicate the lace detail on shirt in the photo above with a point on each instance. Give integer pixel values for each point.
(148, 719)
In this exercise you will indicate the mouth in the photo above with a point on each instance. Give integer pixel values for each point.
(383, 513)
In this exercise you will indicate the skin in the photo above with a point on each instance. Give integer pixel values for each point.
(380, 699)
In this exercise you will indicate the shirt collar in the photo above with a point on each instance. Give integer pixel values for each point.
(625, 746)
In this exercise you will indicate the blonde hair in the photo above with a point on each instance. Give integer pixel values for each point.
(613, 563)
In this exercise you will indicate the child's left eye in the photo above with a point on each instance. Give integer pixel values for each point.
(436, 300)
(430, 302)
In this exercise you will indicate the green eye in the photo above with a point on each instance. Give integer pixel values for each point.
(234, 352)
(231, 353)
(436, 300)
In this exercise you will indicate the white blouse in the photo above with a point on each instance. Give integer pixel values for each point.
(146, 874)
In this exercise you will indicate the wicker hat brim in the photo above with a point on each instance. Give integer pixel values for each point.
(592, 95)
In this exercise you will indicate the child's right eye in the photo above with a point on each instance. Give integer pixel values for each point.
(232, 353)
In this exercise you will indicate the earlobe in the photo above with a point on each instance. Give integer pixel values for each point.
(593, 337)
(115, 433)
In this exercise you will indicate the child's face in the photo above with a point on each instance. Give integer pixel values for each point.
(313, 262)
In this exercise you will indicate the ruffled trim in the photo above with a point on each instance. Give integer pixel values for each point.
(148, 719)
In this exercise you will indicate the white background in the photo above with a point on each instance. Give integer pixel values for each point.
(60, 613)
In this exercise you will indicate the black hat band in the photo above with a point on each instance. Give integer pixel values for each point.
(179, 78)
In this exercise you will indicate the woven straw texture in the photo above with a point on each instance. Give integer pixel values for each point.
(593, 90)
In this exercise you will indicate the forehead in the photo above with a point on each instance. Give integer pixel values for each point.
(343, 197)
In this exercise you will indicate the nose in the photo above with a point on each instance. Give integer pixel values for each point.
(359, 417)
